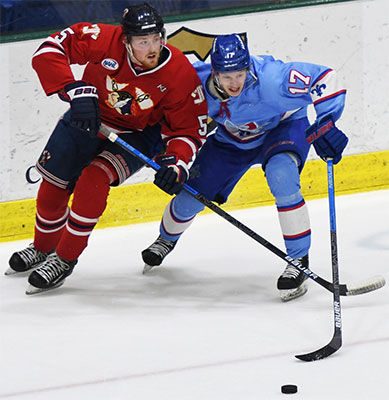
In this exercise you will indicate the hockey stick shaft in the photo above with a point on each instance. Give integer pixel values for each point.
(336, 341)
(368, 285)
(334, 251)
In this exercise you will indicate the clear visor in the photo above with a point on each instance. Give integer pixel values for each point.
(162, 36)
(145, 42)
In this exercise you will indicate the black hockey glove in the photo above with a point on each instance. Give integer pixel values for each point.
(327, 139)
(172, 174)
(84, 105)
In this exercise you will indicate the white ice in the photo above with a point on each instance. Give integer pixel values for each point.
(206, 325)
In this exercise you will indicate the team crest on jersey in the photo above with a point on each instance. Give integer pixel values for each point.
(125, 102)
(245, 132)
(110, 63)
(45, 157)
(318, 89)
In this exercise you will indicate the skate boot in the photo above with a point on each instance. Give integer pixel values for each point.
(155, 253)
(24, 260)
(50, 275)
(291, 283)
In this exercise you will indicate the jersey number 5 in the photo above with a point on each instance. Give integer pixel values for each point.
(203, 124)
(296, 75)
(64, 34)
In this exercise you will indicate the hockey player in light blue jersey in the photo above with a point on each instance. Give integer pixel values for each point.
(260, 107)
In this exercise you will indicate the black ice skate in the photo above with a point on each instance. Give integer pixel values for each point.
(50, 275)
(156, 253)
(25, 260)
(291, 283)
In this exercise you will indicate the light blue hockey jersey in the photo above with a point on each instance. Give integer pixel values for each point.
(274, 92)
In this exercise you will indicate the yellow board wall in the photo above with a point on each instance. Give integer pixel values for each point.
(145, 202)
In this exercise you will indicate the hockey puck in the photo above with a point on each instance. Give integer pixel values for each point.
(289, 389)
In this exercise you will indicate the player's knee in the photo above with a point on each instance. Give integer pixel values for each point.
(91, 191)
(283, 175)
(52, 201)
(186, 206)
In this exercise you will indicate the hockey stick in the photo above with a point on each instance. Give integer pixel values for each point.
(366, 286)
(336, 341)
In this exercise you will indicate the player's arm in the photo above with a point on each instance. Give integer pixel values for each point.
(328, 97)
(321, 87)
(184, 131)
(76, 44)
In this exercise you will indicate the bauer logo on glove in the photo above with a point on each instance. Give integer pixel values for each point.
(327, 139)
(320, 131)
(84, 105)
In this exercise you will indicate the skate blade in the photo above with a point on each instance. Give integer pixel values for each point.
(11, 271)
(147, 268)
(291, 294)
(34, 290)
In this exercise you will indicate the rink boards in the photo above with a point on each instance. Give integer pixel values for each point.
(144, 202)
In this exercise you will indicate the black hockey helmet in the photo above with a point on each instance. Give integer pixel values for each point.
(142, 19)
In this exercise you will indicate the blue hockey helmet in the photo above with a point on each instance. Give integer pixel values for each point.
(229, 53)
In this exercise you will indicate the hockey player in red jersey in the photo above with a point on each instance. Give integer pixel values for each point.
(135, 85)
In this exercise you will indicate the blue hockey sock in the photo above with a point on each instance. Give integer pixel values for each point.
(284, 182)
(179, 215)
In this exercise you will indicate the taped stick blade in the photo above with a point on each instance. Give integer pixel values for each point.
(324, 352)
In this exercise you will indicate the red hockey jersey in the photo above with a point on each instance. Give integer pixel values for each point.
(170, 93)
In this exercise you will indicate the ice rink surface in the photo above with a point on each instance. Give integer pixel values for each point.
(208, 324)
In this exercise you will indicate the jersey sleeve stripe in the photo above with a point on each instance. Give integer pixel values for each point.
(189, 142)
(287, 114)
(48, 50)
(322, 76)
(198, 142)
(51, 42)
(331, 96)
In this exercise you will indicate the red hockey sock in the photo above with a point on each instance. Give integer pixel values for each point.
(89, 202)
(52, 212)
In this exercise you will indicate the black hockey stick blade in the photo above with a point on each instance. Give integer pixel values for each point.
(324, 352)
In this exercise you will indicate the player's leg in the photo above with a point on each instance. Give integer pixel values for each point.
(57, 164)
(61, 162)
(215, 172)
(111, 167)
(283, 176)
(283, 179)
(89, 202)
(51, 215)
(177, 217)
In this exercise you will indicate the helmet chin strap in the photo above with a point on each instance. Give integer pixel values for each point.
(218, 86)
(130, 51)
(131, 54)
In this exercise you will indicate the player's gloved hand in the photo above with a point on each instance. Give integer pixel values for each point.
(327, 139)
(172, 174)
(84, 105)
